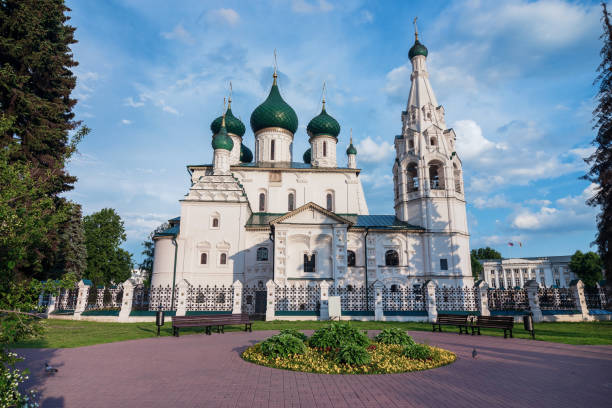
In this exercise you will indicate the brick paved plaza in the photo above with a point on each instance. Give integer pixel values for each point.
(207, 371)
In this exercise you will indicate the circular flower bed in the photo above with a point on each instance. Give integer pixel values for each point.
(349, 353)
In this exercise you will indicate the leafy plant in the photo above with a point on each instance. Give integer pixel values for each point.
(337, 335)
(418, 351)
(353, 354)
(283, 345)
(295, 333)
(394, 335)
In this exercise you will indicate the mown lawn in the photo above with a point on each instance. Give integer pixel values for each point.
(72, 333)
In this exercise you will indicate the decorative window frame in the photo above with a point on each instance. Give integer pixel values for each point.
(203, 248)
(257, 255)
(214, 216)
(223, 248)
(395, 248)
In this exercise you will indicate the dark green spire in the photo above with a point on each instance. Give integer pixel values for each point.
(246, 156)
(323, 124)
(274, 112)
(221, 140)
(232, 123)
(307, 156)
(417, 48)
(351, 149)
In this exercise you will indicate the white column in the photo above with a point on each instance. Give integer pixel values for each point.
(534, 302)
(578, 290)
(496, 274)
(505, 277)
(521, 278)
(324, 302)
(378, 300)
(181, 307)
(483, 298)
(270, 301)
(51, 304)
(430, 301)
(126, 301)
(82, 299)
(237, 304)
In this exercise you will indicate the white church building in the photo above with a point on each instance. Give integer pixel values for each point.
(270, 216)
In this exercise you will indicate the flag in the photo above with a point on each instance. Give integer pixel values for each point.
(521, 244)
(510, 244)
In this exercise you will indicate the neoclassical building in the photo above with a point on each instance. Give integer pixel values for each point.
(268, 216)
(548, 271)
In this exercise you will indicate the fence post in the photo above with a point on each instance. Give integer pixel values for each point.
(270, 301)
(534, 301)
(181, 305)
(483, 298)
(237, 305)
(84, 289)
(51, 304)
(324, 301)
(126, 301)
(577, 288)
(378, 300)
(430, 301)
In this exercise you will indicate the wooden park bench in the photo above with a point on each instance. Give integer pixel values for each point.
(494, 322)
(460, 321)
(209, 321)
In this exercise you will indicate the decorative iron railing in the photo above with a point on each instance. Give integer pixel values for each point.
(151, 299)
(511, 299)
(294, 298)
(105, 298)
(248, 299)
(556, 299)
(596, 298)
(209, 298)
(67, 300)
(354, 298)
(400, 298)
(457, 299)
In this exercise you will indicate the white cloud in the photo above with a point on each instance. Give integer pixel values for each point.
(130, 102)
(126, 122)
(225, 15)
(305, 6)
(178, 33)
(370, 151)
(470, 141)
(86, 84)
(497, 201)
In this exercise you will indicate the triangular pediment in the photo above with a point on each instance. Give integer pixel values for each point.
(311, 213)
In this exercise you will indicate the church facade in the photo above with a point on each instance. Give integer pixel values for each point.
(267, 216)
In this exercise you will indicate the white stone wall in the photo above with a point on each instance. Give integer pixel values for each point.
(318, 159)
(283, 141)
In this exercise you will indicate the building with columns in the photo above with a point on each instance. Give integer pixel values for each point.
(548, 271)
(268, 216)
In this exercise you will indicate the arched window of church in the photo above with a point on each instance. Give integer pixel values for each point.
(262, 202)
(330, 202)
(436, 176)
(411, 144)
(272, 150)
(391, 258)
(412, 177)
(432, 141)
(262, 254)
(215, 222)
(291, 202)
(350, 258)
(203, 258)
(457, 177)
(324, 149)
(223, 259)
(309, 263)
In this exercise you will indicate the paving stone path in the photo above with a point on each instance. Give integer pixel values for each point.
(207, 371)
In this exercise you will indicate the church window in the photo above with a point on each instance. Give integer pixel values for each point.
(309, 263)
(413, 177)
(203, 258)
(457, 177)
(394, 288)
(223, 259)
(350, 258)
(215, 222)
(262, 202)
(324, 149)
(432, 141)
(329, 202)
(291, 202)
(444, 264)
(436, 176)
(391, 258)
(411, 144)
(262, 254)
(429, 115)
(272, 150)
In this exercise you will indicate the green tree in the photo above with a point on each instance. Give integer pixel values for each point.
(481, 253)
(587, 267)
(601, 160)
(149, 247)
(106, 261)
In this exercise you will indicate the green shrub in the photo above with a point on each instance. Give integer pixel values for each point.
(394, 335)
(295, 333)
(336, 335)
(352, 354)
(283, 345)
(418, 351)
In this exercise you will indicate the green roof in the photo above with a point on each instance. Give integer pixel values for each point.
(221, 140)
(417, 49)
(232, 124)
(323, 124)
(351, 149)
(307, 156)
(274, 112)
(360, 221)
(246, 155)
(262, 219)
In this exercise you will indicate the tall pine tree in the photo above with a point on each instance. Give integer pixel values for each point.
(601, 161)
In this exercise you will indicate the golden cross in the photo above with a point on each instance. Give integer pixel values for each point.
(416, 30)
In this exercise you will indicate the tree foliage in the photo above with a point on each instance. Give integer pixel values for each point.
(587, 267)
(149, 252)
(601, 160)
(106, 262)
(481, 253)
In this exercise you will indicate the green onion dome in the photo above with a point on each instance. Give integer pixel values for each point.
(417, 49)
(323, 124)
(307, 156)
(351, 149)
(232, 123)
(274, 112)
(221, 140)
(246, 156)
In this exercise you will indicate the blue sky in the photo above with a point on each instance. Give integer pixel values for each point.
(515, 79)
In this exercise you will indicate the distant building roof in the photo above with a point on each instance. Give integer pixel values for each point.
(359, 221)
